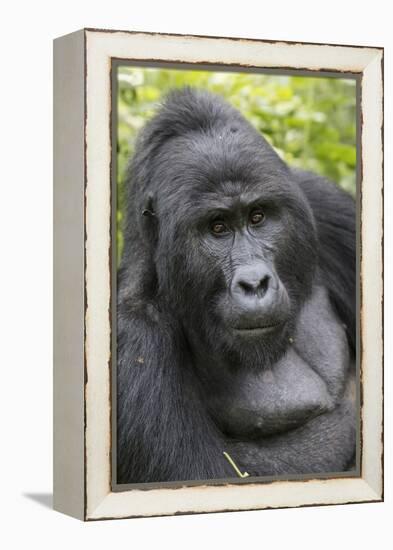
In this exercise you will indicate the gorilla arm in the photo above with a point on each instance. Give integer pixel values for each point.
(164, 433)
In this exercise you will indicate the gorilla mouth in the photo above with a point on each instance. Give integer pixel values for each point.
(258, 328)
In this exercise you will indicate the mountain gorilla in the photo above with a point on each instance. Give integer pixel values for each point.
(236, 306)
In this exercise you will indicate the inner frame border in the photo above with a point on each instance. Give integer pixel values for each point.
(115, 64)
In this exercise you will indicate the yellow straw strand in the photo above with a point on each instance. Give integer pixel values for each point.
(232, 463)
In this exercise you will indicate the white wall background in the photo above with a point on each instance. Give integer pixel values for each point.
(27, 29)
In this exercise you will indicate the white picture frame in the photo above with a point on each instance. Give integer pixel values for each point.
(83, 273)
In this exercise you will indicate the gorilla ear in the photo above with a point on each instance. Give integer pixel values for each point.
(150, 220)
(148, 209)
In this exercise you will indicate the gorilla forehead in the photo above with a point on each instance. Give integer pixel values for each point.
(219, 164)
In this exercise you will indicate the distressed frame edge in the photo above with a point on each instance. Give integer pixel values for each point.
(372, 272)
(69, 276)
(375, 491)
(360, 492)
(232, 38)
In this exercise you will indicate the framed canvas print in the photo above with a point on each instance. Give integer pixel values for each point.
(218, 274)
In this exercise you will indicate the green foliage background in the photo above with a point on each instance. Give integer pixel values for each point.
(311, 122)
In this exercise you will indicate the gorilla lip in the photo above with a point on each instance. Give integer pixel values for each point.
(264, 328)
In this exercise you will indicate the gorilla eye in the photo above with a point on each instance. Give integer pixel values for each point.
(257, 217)
(218, 228)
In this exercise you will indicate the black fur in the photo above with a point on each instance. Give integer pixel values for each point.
(204, 364)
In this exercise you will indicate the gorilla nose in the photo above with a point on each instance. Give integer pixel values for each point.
(252, 282)
(255, 286)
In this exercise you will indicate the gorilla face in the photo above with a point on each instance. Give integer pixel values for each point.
(233, 242)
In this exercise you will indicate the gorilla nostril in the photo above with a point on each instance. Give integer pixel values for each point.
(263, 286)
(246, 287)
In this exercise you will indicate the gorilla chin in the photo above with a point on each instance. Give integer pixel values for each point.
(237, 290)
